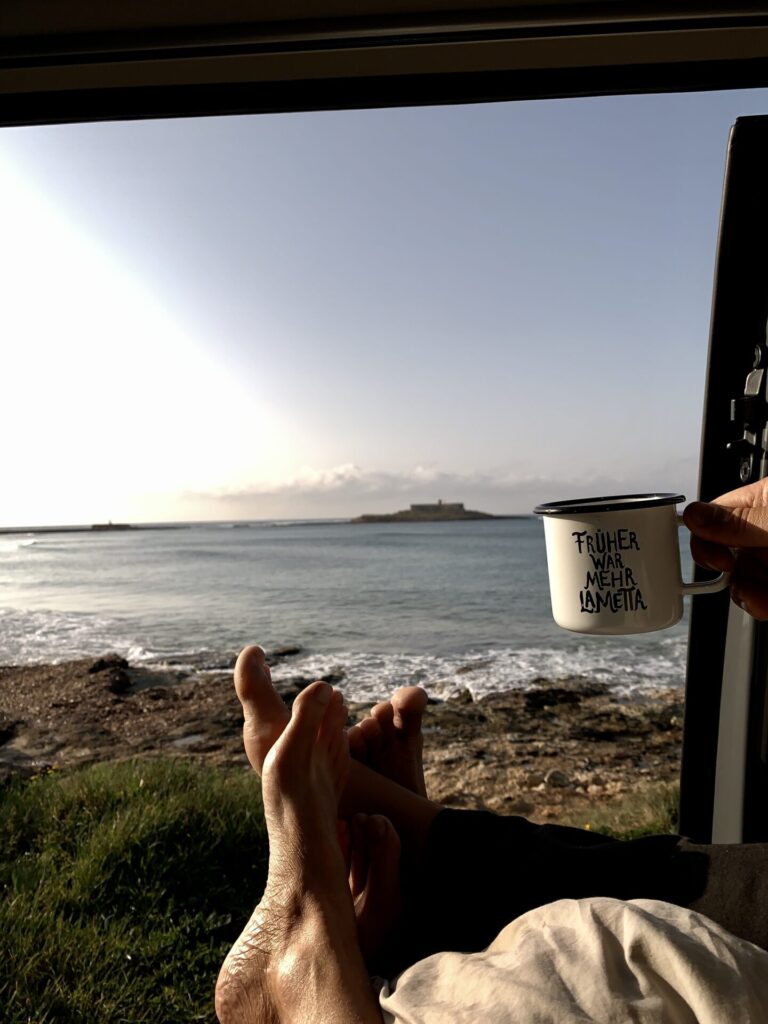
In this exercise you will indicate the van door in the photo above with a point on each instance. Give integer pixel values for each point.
(724, 775)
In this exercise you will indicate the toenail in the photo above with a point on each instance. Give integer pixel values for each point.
(323, 694)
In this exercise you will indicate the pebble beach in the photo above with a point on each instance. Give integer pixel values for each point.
(550, 751)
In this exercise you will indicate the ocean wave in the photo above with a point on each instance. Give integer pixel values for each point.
(302, 522)
(12, 546)
(34, 637)
(627, 665)
(365, 677)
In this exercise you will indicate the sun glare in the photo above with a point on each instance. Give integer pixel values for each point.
(114, 409)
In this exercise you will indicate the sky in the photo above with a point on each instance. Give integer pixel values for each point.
(326, 314)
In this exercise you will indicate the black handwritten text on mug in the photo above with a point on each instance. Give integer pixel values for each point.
(610, 584)
(602, 542)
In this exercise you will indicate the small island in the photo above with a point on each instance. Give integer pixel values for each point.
(442, 511)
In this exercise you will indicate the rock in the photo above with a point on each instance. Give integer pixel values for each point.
(517, 805)
(280, 653)
(335, 675)
(8, 728)
(158, 693)
(290, 688)
(666, 717)
(556, 779)
(539, 700)
(462, 698)
(575, 684)
(111, 674)
(473, 666)
(108, 661)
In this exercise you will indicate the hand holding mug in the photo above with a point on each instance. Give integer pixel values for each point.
(731, 534)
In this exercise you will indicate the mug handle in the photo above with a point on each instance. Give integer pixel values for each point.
(709, 586)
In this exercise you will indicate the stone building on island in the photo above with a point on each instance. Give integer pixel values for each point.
(441, 508)
(440, 511)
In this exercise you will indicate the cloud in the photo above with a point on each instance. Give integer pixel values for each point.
(350, 490)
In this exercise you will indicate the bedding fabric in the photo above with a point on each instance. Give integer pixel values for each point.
(598, 959)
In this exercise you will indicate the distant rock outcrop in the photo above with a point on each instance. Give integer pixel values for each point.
(441, 511)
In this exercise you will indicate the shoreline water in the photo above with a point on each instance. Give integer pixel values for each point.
(444, 605)
(372, 675)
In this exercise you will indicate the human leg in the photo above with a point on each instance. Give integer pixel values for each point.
(479, 871)
(468, 873)
(298, 959)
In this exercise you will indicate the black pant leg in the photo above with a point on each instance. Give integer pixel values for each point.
(480, 871)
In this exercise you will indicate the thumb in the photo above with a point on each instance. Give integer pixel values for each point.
(739, 527)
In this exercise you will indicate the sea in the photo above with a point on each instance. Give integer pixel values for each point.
(449, 606)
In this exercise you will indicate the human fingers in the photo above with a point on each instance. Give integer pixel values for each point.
(748, 496)
(712, 556)
(732, 526)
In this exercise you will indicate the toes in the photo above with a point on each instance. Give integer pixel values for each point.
(334, 737)
(384, 714)
(263, 710)
(253, 684)
(375, 861)
(357, 745)
(332, 725)
(309, 709)
(383, 851)
(408, 704)
(370, 730)
(377, 907)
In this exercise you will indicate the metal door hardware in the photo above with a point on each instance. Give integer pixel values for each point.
(750, 412)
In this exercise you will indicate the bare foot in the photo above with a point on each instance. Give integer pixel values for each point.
(390, 739)
(298, 958)
(369, 842)
(366, 791)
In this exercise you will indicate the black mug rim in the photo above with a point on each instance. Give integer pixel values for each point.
(608, 503)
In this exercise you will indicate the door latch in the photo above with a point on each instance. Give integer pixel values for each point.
(750, 412)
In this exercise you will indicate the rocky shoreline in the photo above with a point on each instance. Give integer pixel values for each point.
(554, 749)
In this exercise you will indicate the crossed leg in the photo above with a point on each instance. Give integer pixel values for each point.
(298, 958)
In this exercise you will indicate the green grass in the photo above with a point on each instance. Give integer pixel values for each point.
(122, 886)
(648, 811)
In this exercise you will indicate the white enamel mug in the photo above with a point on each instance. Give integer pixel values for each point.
(614, 563)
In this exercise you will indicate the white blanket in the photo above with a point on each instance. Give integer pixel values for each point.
(596, 960)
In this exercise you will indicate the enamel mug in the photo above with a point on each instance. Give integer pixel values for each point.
(614, 563)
